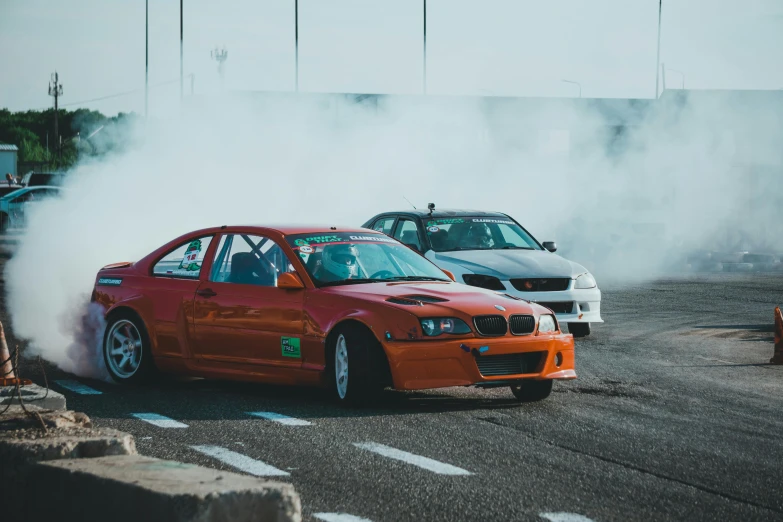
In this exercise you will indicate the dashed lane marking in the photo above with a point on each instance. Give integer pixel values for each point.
(241, 462)
(565, 517)
(77, 387)
(417, 460)
(159, 420)
(277, 417)
(339, 517)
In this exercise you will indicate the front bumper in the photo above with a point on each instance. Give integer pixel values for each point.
(570, 306)
(438, 364)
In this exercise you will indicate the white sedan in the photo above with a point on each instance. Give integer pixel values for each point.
(491, 250)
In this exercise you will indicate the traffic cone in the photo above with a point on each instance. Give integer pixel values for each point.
(778, 357)
(7, 368)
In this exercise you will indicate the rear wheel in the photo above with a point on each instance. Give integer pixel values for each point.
(356, 366)
(126, 349)
(579, 329)
(531, 391)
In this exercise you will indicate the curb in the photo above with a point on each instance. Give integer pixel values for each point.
(33, 394)
(69, 470)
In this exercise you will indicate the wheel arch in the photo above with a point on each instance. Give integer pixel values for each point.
(356, 322)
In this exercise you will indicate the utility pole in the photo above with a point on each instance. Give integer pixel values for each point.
(658, 57)
(220, 56)
(425, 49)
(146, 56)
(181, 35)
(296, 41)
(56, 90)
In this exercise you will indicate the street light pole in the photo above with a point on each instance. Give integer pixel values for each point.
(658, 57)
(577, 84)
(181, 35)
(424, 80)
(681, 74)
(146, 55)
(296, 40)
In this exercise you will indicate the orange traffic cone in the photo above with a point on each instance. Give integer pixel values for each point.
(778, 357)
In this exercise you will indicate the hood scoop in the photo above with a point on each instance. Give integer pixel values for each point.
(415, 300)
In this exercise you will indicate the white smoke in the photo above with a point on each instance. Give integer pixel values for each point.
(271, 159)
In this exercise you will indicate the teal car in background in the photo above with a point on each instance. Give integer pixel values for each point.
(15, 205)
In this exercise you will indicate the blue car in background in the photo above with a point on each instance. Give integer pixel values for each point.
(15, 205)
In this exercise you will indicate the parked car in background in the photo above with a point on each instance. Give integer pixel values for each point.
(491, 250)
(15, 205)
(7, 189)
(40, 179)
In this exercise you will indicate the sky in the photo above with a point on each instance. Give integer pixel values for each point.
(474, 47)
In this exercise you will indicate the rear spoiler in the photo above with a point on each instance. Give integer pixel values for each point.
(123, 264)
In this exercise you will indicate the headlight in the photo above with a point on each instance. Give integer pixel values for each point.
(433, 326)
(483, 281)
(585, 281)
(547, 324)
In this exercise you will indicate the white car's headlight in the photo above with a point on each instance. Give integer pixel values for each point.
(546, 324)
(585, 281)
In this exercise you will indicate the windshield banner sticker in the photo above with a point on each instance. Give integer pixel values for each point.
(290, 347)
(444, 221)
(499, 221)
(306, 244)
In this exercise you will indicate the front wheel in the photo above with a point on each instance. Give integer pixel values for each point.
(126, 349)
(356, 366)
(579, 329)
(531, 391)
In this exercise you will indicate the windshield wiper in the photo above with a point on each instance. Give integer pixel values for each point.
(509, 247)
(351, 281)
(413, 278)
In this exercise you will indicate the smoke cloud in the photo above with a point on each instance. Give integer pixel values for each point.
(629, 204)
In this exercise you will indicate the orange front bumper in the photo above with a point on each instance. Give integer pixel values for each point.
(442, 363)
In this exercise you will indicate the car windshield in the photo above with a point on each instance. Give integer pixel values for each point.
(350, 258)
(477, 233)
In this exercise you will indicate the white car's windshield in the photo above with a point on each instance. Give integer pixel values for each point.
(477, 233)
(350, 258)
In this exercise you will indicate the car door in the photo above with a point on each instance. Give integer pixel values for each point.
(407, 232)
(240, 316)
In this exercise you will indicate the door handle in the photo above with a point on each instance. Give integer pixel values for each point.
(206, 292)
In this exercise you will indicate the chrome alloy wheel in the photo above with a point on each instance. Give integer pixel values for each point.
(123, 349)
(341, 366)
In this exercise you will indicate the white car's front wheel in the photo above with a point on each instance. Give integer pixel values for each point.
(579, 329)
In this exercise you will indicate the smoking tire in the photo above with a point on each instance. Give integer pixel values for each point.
(356, 365)
(126, 349)
(530, 391)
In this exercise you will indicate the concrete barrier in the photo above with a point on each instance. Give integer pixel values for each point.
(34, 395)
(55, 466)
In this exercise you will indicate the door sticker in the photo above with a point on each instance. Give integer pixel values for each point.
(290, 347)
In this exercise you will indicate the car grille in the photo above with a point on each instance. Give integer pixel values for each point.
(522, 324)
(490, 324)
(554, 284)
(509, 364)
(560, 308)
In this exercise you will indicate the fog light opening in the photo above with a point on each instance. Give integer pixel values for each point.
(558, 359)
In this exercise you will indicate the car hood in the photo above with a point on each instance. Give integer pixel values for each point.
(508, 264)
(450, 297)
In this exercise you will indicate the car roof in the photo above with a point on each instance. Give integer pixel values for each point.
(288, 230)
(446, 213)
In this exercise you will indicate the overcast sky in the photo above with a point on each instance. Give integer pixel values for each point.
(484, 47)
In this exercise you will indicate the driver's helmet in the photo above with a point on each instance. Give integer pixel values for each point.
(479, 236)
(341, 260)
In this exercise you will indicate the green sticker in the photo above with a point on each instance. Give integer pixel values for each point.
(290, 347)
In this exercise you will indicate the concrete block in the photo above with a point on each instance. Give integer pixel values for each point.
(133, 488)
(32, 394)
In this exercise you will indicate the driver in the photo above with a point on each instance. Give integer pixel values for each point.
(338, 262)
(479, 236)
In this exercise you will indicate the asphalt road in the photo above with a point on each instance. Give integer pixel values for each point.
(676, 415)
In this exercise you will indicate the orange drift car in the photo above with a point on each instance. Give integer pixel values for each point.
(349, 309)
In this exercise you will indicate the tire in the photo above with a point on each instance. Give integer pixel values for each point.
(532, 391)
(579, 329)
(356, 366)
(127, 362)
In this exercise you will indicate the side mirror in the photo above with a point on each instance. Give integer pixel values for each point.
(289, 281)
(550, 245)
(451, 276)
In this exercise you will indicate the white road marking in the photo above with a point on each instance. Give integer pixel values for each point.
(77, 387)
(159, 420)
(340, 517)
(565, 517)
(241, 462)
(282, 419)
(417, 460)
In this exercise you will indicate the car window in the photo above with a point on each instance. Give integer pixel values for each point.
(478, 233)
(250, 260)
(384, 225)
(407, 233)
(185, 260)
